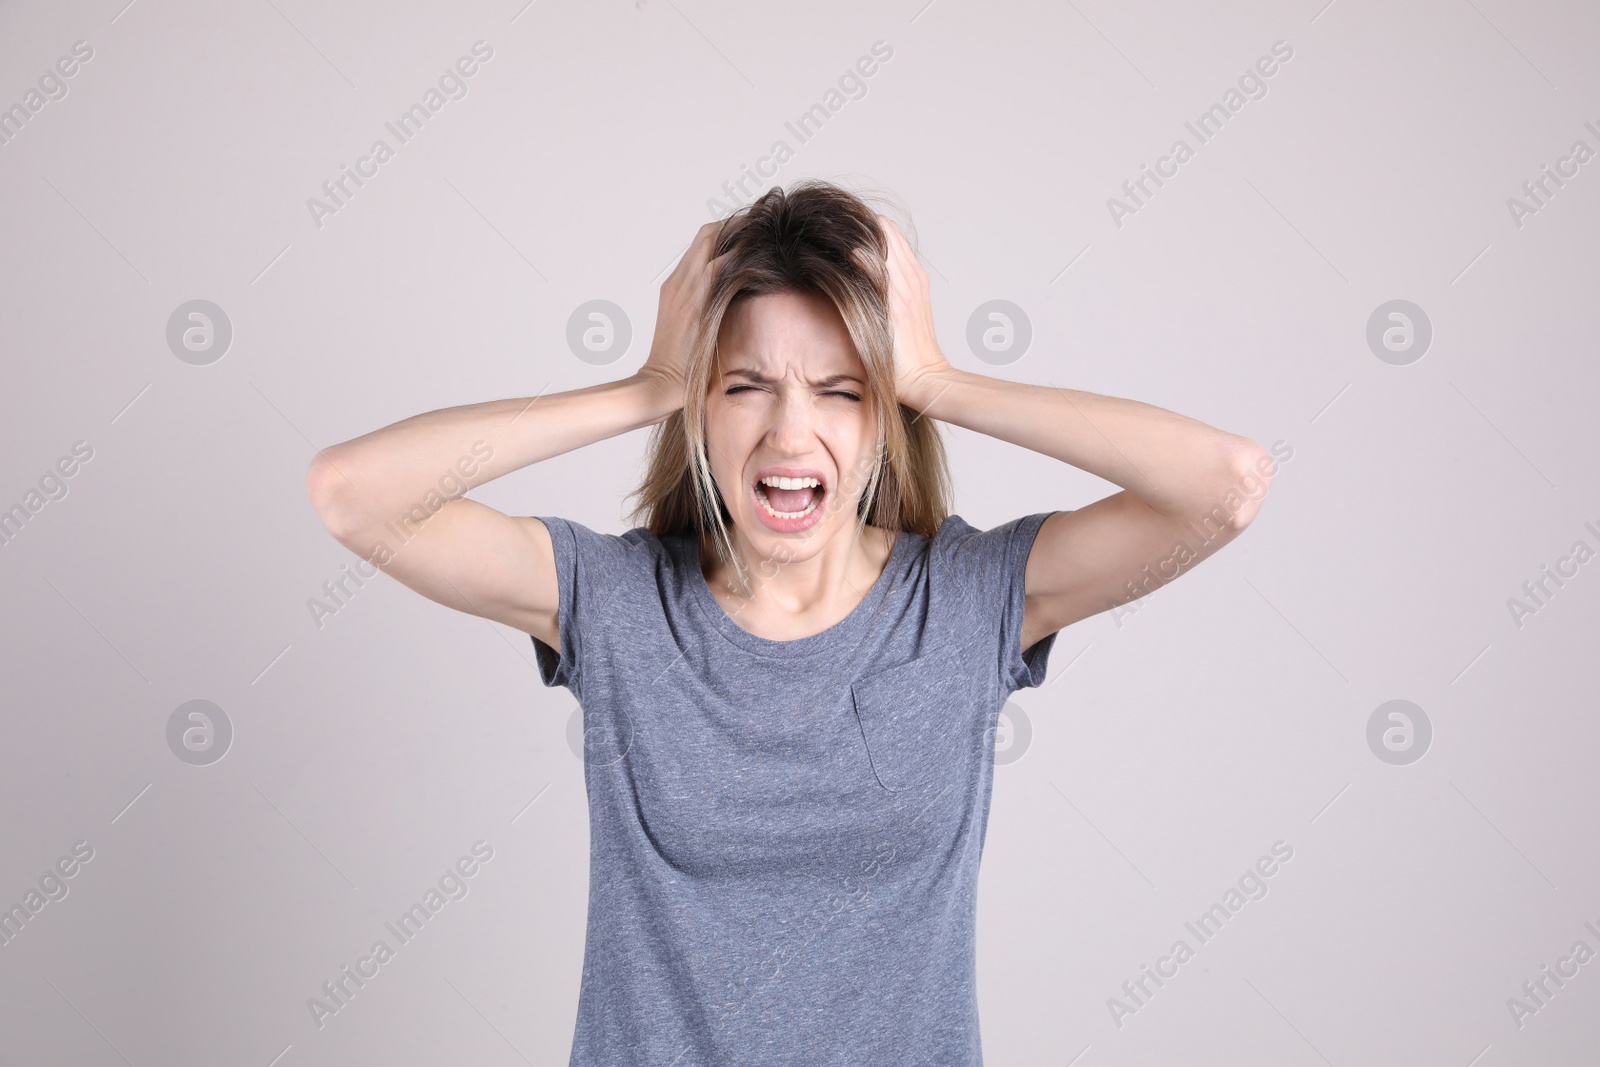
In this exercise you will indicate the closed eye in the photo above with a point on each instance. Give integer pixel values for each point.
(832, 392)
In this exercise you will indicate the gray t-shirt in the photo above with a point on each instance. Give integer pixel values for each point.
(785, 835)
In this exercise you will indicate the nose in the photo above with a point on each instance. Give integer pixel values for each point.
(791, 432)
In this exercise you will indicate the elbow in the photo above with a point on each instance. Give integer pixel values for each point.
(1249, 472)
(329, 492)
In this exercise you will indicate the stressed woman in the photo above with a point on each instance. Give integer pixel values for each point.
(790, 672)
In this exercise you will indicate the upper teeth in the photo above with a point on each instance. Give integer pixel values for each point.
(790, 483)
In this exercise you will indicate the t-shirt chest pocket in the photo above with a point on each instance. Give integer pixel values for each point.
(919, 719)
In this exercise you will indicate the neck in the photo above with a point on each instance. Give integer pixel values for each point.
(796, 579)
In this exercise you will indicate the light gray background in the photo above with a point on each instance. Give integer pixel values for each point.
(1169, 749)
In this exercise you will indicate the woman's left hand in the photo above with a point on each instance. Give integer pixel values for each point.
(918, 360)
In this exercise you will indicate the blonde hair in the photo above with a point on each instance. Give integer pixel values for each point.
(799, 241)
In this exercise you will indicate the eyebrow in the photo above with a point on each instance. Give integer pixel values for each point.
(761, 379)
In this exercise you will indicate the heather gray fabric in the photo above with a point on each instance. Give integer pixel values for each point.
(785, 835)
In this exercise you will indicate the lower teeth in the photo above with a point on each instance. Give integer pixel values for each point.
(761, 495)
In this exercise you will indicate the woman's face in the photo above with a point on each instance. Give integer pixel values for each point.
(789, 423)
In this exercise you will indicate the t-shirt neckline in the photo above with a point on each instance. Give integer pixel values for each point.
(846, 630)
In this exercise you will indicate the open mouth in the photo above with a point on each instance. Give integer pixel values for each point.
(789, 499)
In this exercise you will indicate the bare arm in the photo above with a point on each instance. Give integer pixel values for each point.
(1186, 484)
(395, 496)
(1188, 488)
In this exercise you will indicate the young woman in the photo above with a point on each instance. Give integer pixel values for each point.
(790, 674)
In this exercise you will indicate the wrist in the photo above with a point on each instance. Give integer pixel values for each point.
(923, 388)
(663, 394)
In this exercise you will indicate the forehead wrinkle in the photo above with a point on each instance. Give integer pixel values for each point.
(820, 383)
(768, 330)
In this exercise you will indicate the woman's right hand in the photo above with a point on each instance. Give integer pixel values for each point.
(683, 300)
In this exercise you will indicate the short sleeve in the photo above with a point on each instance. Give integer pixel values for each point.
(592, 569)
(989, 567)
